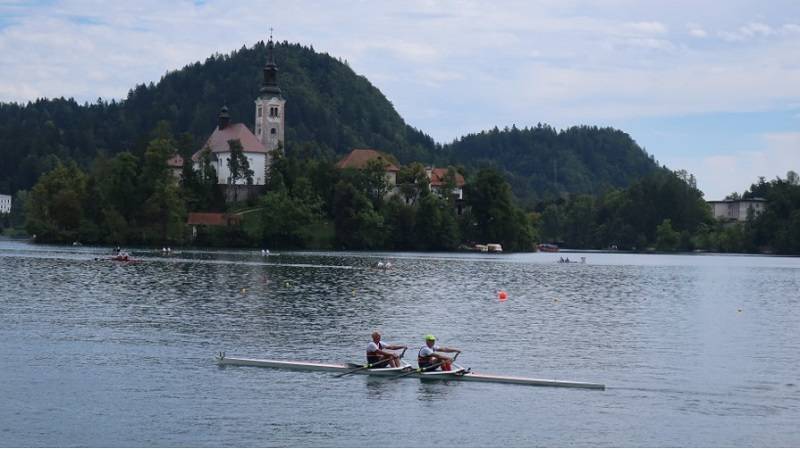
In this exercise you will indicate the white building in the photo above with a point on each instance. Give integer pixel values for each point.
(736, 210)
(438, 182)
(218, 145)
(269, 131)
(5, 204)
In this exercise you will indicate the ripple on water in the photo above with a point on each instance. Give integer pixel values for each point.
(695, 350)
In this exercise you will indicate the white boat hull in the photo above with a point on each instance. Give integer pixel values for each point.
(459, 375)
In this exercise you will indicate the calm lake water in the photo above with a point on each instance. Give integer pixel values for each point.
(696, 350)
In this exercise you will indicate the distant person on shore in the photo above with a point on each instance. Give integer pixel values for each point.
(377, 354)
(430, 358)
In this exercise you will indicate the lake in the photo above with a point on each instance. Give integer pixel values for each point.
(695, 350)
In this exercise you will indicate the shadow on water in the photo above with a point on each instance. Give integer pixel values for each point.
(381, 387)
(435, 390)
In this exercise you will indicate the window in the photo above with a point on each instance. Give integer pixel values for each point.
(272, 131)
(258, 112)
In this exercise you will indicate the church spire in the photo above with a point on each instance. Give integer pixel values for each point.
(269, 87)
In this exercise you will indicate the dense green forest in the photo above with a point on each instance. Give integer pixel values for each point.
(330, 110)
(308, 203)
(543, 162)
(665, 212)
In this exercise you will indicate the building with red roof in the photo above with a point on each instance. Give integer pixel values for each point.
(359, 158)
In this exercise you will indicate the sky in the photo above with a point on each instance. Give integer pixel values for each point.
(711, 87)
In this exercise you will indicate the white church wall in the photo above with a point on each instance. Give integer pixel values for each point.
(257, 161)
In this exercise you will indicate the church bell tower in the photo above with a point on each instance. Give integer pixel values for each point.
(270, 105)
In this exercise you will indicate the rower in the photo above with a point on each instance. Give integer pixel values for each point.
(376, 352)
(429, 355)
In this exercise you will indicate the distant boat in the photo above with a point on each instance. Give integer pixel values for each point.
(481, 248)
(548, 248)
(494, 247)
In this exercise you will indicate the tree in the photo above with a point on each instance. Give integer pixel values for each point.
(400, 220)
(54, 209)
(413, 182)
(579, 222)
(551, 223)
(375, 184)
(436, 225)
(238, 167)
(357, 224)
(494, 216)
(666, 238)
(285, 220)
(792, 178)
(18, 208)
(162, 213)
(200, 188)
(117, 190)
(734, 196)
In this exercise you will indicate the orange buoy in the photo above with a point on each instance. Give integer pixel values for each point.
(502, 295)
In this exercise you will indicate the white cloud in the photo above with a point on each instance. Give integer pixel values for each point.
(721, 174)
(747, 32)
(697, 31)
(647, 27)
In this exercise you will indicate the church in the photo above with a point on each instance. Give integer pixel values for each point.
(256, 146)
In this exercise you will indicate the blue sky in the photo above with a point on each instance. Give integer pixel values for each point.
(710, 87)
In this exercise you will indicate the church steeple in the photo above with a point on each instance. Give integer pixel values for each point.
(269, 87)
(224, 118)
(270, 105)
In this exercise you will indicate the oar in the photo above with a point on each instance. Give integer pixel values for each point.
(427, 368)
(369, 365)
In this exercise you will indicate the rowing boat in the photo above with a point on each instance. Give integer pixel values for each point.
(459, 374)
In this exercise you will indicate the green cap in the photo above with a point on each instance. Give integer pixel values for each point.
(430, 337)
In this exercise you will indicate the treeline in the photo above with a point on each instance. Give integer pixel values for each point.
(308, 203)
(777, 229)
(662, 210)
(666, 212)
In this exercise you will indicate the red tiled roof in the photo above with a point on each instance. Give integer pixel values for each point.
(175, 161)
(218, 141)
(212, 219)
(358, 158)
(438, 177)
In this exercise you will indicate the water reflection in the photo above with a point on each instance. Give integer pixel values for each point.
(381, 387)
(435, 390)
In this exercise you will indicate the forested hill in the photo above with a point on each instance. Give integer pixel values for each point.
(544, 163)
(329, 111)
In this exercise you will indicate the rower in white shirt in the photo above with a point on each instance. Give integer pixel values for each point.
(377, 354)
(430, 358)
